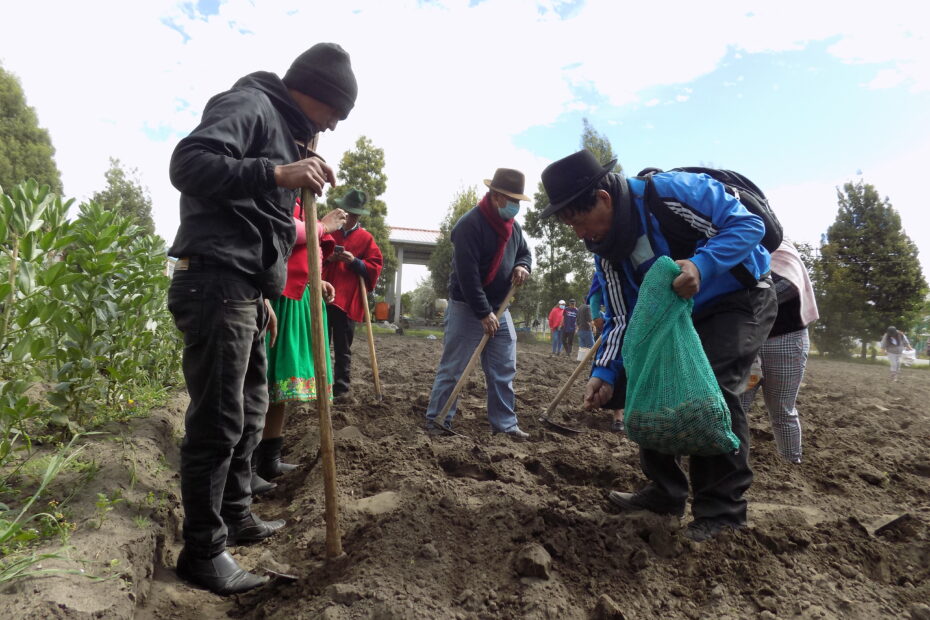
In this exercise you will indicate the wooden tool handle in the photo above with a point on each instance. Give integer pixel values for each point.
(568, 384)
(441, 416)
(318, 339)
(371, 338)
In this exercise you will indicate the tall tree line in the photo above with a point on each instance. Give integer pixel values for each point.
(563, 265)
(868, 275)
(26, 150)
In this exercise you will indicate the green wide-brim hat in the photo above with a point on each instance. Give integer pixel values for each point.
(353, 202)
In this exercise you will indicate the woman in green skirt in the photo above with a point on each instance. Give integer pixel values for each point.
(291, 375)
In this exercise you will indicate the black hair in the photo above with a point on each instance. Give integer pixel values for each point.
(584, 202)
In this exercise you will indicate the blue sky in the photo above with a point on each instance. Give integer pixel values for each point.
(774, 116)
(800, 96)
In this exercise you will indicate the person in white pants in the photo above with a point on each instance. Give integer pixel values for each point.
(894, 344)
(783, 356)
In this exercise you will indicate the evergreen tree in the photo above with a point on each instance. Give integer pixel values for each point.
(868, 276)
(440, 263)
(363, 168)
(26, 150)
(125, 195)
(561, 256)
(598, 144)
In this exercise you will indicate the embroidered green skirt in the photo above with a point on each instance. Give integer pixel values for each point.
(291, 375)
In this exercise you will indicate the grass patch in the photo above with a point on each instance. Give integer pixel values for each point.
(416, 333)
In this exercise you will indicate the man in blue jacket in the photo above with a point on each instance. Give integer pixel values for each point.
(726, 272)
(489, 256)
(238, 173)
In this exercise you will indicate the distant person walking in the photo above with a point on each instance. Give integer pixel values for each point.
(894, 344)
(784, 353)
(569, 325)
(555, 326)
(585, 326)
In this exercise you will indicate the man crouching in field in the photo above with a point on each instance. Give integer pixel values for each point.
(732, 315)
(238, 173)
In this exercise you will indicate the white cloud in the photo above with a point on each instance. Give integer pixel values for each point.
(444, 87)
(806, 210)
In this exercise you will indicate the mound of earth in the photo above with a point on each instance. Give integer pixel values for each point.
(479, 526)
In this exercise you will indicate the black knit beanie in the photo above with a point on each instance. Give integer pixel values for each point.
(325, 73)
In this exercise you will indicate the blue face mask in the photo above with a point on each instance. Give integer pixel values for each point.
(510, 211)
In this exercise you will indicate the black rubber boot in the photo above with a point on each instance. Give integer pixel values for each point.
(258, 484)
(269, 460)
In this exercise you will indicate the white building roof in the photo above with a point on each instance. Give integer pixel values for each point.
(413, 235)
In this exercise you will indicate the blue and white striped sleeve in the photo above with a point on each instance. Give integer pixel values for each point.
(609, 361)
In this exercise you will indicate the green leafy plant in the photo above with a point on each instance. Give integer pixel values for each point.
(104, 506)
(18, 527)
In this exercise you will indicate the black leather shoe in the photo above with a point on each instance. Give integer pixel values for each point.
(251, 529)
(268, 457)
(641, 501)
(219, 574)
(259, 485)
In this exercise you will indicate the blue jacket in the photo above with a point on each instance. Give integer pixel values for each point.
(732, 237)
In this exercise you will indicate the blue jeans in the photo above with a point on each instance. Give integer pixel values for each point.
(463, 333)
(556, 335)
(585, 338)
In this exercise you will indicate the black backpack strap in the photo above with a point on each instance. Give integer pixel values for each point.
(683, 228)
(677, 226)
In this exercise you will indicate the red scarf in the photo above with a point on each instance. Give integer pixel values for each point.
(503, 228)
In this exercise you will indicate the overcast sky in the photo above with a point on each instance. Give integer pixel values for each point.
(799, 96)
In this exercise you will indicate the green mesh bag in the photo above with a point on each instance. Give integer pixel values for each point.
(673, 402)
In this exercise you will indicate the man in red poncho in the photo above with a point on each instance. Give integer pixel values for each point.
(356, 255)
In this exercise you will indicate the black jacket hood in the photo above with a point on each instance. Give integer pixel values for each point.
(302, 128)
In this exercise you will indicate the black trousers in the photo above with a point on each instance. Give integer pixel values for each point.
(342, 334)
(732, 332)
(568, 338)
(223, 319)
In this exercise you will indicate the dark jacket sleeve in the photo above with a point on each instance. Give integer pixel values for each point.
(217, 158)
(466, 246)
(524, 256)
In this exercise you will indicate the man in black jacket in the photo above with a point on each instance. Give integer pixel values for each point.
(238, 173)
(489, 256)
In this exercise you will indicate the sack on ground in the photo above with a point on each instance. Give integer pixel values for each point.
(673, 402)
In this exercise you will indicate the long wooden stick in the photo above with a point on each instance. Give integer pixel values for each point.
(318, 336)
(371, 338)
(441, 416)
(574, 375)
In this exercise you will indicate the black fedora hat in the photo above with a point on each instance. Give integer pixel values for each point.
(508, 182)
(570, 177)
